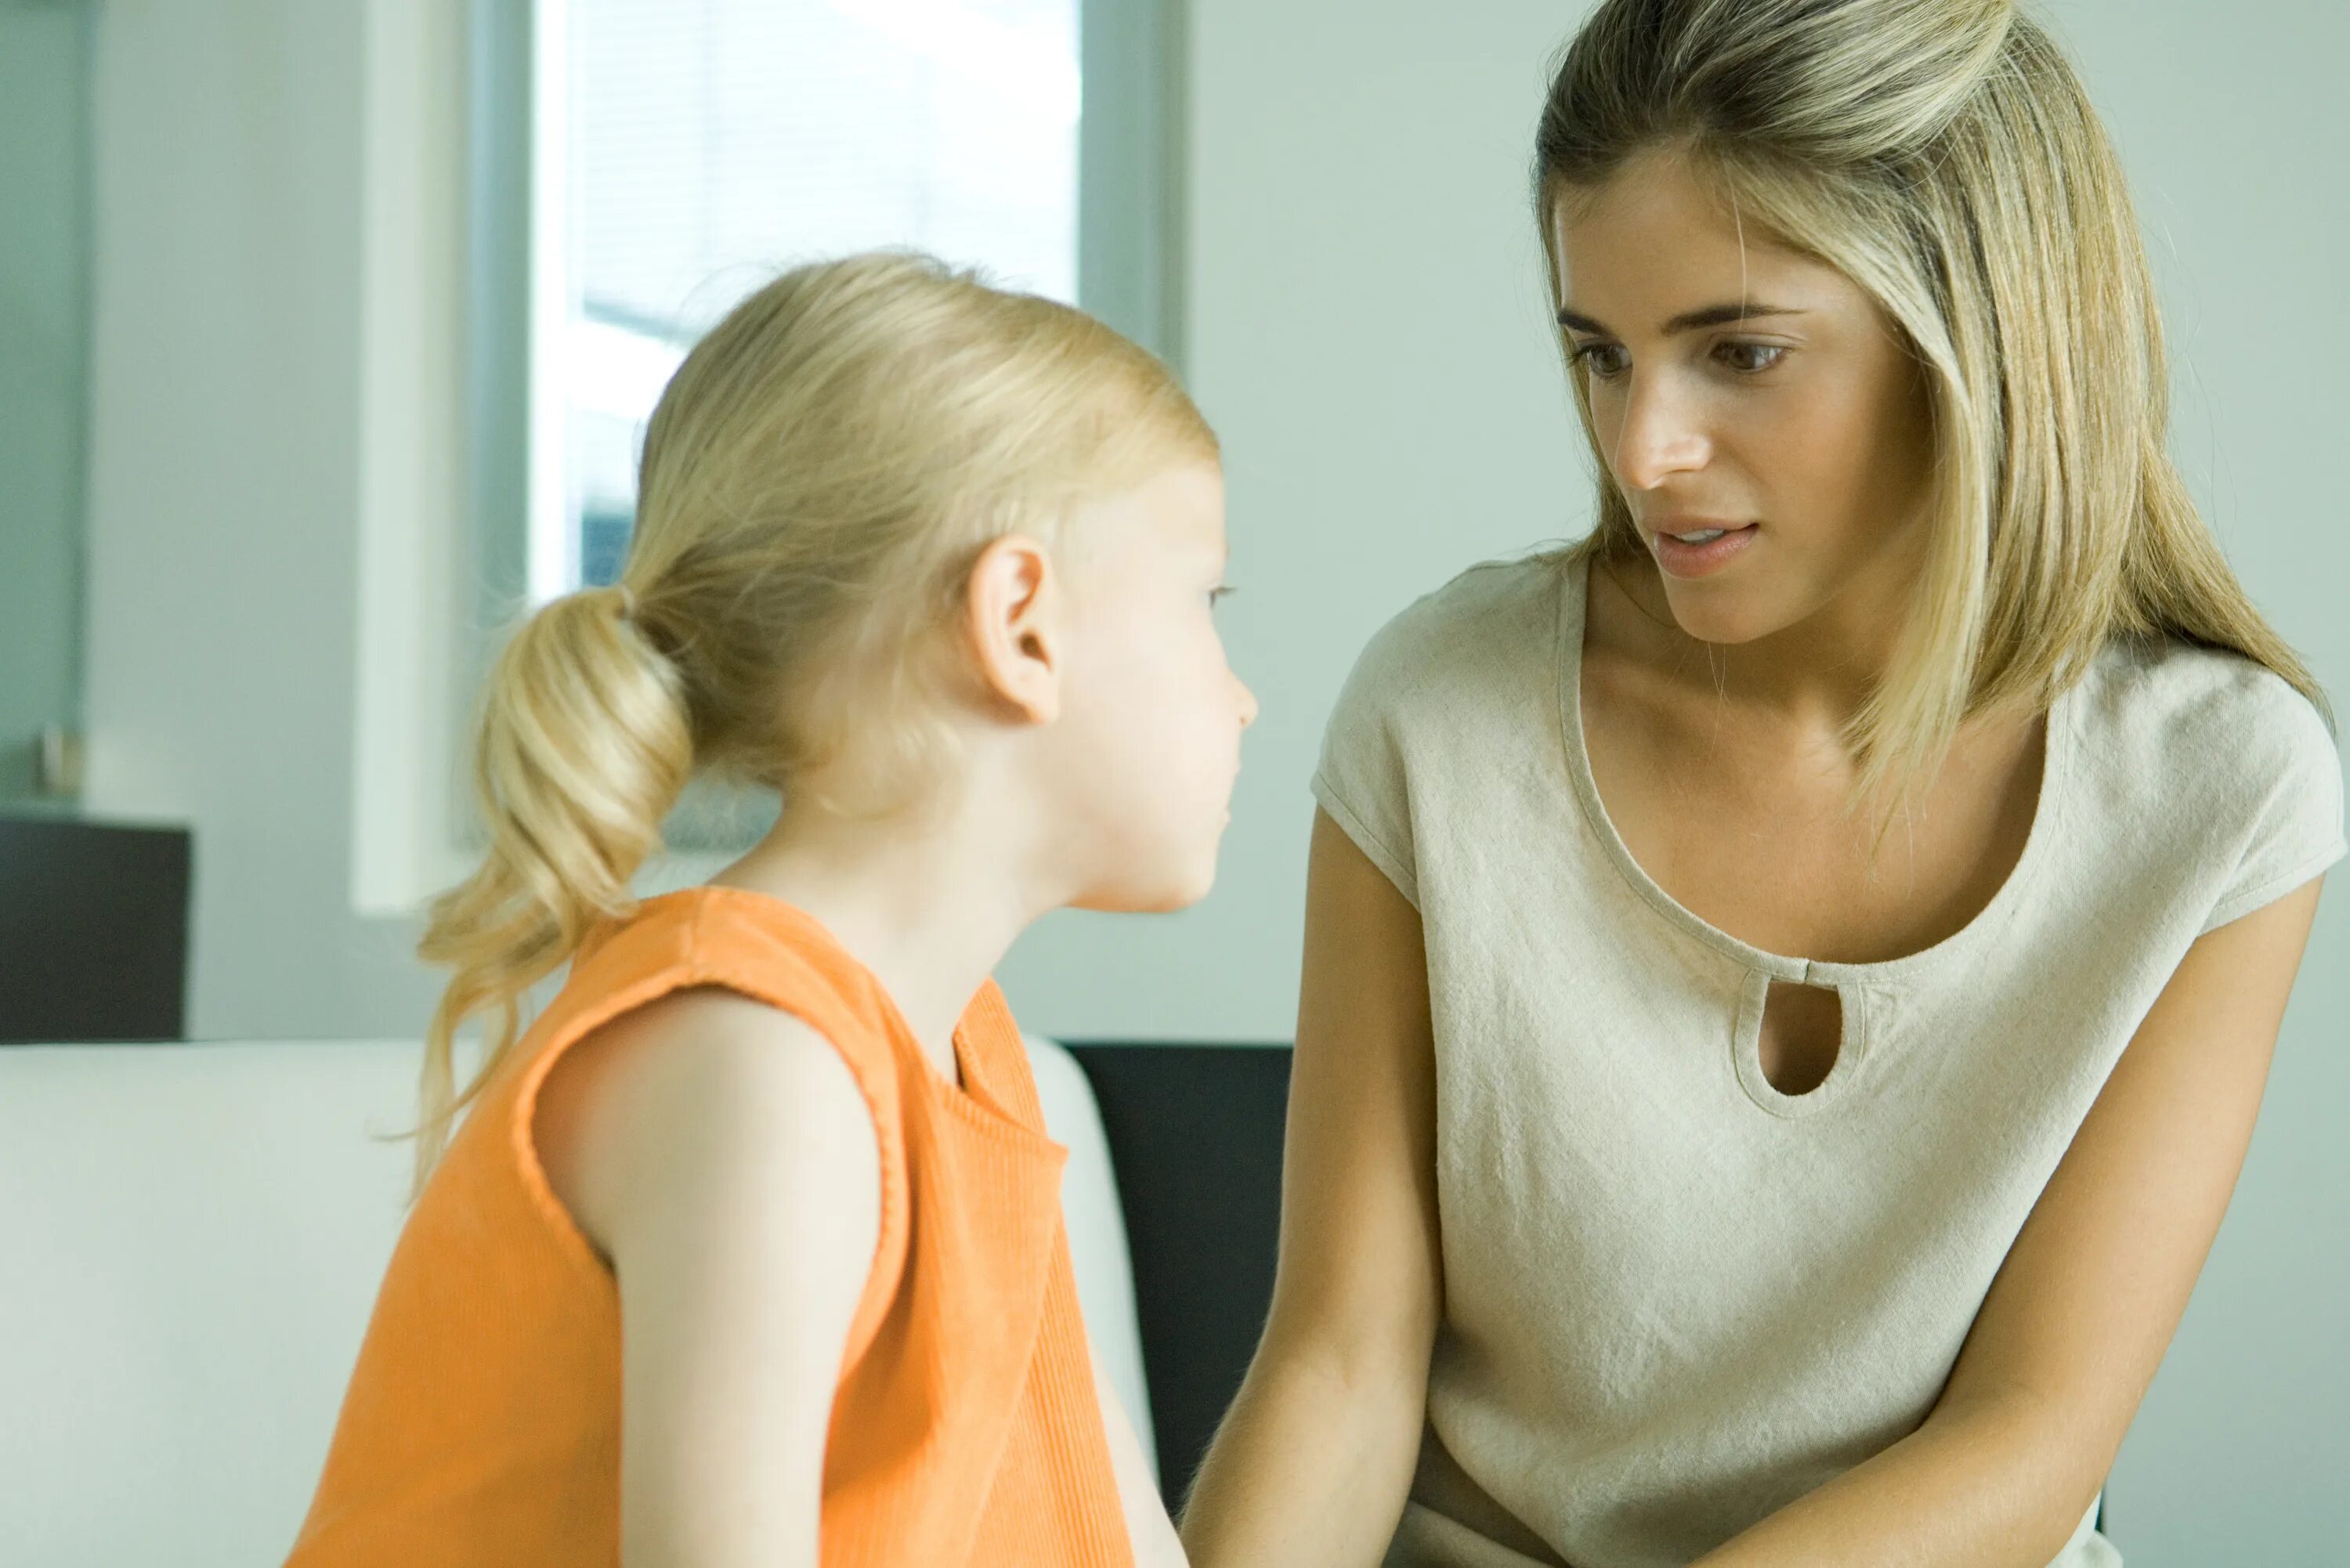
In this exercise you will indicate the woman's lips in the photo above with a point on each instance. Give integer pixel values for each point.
(1687, 560)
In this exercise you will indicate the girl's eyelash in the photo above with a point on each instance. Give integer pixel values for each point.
(1224, 592)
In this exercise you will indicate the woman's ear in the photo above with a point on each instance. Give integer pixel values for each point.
(1011, 624)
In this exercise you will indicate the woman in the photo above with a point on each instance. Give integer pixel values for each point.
(1789, 979)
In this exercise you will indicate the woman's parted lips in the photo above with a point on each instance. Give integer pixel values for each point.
(1689, 523)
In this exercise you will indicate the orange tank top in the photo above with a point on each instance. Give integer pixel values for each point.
(483, 1422)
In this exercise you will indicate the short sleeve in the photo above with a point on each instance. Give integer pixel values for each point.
(1360, 780)
(2296, 821)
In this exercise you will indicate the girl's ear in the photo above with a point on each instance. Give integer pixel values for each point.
(1011, 624)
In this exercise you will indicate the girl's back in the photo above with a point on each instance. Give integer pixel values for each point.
(482, 1423)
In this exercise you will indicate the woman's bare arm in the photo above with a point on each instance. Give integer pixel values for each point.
(720, 1155)
(1313, 1461)
(2070, 1336)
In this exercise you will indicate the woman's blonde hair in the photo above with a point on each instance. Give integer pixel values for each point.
(1944, 155)
(817, 481)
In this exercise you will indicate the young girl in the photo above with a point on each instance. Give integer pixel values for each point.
(750, 1250)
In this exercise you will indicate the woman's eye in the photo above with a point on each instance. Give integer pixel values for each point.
(1216, 596)
(1752, 357)
(1599, 358)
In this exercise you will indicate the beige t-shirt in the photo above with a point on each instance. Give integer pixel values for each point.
(1676, 1299)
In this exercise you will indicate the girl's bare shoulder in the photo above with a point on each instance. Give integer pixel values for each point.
(695, 1096)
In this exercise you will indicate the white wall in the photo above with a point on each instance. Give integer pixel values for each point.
(1366, 331)
(223, 497)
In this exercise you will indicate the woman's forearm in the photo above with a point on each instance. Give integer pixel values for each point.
(1994, 1485)
(1310, 1470)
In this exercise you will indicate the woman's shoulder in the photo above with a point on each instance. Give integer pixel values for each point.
(2192, 754)
(1438, 698)
(1466, 607)
(2193, 708)
(1494, 619)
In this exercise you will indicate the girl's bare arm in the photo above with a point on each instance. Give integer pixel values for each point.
(1152, 1533)
(721, 1157)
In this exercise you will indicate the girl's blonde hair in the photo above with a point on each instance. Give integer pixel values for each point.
(1943, 155)
(817, 481)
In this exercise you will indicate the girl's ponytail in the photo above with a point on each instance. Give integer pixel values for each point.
(583, 747)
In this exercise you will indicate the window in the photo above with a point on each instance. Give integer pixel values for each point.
(680, 153)
(637, 166)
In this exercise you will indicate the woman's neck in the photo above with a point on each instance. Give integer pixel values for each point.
(1815, 674)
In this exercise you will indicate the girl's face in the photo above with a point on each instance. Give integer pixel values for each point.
(1148, 739)
(1761, 416)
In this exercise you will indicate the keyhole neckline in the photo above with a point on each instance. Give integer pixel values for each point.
(1746, 1047)
(2055, 779)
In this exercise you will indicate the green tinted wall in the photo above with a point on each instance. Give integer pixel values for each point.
(44, 284)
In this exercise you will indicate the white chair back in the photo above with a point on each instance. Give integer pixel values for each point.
(191, 1239)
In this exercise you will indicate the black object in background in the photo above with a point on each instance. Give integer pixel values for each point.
(1195, 1136)
(93, 931)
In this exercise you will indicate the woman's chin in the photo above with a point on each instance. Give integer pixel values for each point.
(1723, 616)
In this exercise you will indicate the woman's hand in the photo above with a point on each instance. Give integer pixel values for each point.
(1312, 1465)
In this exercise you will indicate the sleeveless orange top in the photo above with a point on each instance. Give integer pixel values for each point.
(483, 1422)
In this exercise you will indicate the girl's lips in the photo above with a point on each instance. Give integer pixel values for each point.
(1702, 560)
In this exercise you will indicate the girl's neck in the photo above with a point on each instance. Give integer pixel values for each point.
(929, 907)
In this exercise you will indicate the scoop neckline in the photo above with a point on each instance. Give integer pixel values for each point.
(977, 1094)
(2055, 773)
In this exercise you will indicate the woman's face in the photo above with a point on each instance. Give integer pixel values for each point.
(1739, 386)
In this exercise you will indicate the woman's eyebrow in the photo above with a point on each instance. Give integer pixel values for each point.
(1687, 320)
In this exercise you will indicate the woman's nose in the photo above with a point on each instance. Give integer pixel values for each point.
(1661, 434)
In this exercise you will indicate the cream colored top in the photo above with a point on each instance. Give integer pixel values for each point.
(1675, 1298)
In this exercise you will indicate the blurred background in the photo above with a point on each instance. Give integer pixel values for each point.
(328, 328)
